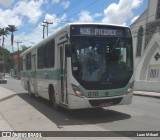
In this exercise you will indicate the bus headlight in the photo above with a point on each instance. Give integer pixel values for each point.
(130, 89)
(77, 91)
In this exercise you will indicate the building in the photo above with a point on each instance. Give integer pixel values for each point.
(16, 65)
(146, 41)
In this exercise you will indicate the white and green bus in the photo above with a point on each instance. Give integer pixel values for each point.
(81, 66)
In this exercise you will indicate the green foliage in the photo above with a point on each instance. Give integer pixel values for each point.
(12, 29)
(5, 51)
(7, 57)
(4, 32)
(24, 48)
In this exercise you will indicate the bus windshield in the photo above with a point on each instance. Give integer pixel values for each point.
(102, 62)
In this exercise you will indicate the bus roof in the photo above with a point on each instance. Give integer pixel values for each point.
(95, 24)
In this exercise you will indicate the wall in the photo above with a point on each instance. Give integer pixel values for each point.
(146, 80)
(152, 9)
(141, 21)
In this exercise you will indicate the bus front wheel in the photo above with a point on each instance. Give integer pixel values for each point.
(53, 98)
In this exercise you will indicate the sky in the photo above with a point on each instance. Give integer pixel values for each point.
(29, 15)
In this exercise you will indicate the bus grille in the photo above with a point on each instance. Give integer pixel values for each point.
(109, 101)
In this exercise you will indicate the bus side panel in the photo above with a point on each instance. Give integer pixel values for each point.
(23, 82)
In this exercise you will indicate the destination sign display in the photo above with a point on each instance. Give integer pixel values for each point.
(94, 31)
(99, 30)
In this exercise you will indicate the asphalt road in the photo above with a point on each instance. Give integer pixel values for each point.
(142, 115)
(14, 85)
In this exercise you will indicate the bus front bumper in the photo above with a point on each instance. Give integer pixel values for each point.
(84, 102)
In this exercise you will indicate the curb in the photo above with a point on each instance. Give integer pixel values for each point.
(147, 94)
(6, 93)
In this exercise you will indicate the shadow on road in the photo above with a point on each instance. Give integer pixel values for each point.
(65, 117)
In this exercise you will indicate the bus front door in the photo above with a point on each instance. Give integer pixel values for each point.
(63, 74)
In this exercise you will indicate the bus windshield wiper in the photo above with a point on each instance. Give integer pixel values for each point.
(116, 43)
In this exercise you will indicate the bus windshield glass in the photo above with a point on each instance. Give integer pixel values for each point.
(102, 62)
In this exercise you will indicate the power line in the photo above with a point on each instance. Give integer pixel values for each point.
(77, 2)
(18, 42)
(79, 11)
(83, 8)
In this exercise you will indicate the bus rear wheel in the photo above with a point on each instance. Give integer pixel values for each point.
(53, 98)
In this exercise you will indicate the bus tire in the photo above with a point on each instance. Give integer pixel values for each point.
(29, 90)
(53, 98)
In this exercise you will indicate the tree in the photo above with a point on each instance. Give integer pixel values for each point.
(3, 32)
(0, 35)
(24, 48)
(12, 29)
(8, 60)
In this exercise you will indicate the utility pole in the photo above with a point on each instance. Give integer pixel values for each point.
(18, 63)
(47, 23)
(43, 25)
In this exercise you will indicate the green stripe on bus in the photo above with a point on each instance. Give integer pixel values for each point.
(50, 74)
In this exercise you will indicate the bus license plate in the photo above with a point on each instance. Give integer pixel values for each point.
(105, 105)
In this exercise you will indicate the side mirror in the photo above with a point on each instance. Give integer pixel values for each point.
(68, 50)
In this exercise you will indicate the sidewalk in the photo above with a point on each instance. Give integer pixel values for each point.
(18, 115)
(5, 94)
(4, 124)
(147, 93)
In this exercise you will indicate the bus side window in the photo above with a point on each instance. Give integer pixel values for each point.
(41, 57)
(49, 54)
(28, 61)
